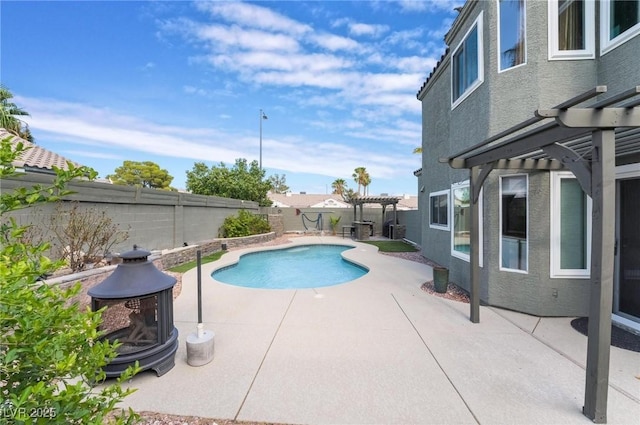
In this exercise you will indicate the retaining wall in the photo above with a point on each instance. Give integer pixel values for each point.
(163, 261)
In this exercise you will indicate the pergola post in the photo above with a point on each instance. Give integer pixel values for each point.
(474, 293)
(602, 264)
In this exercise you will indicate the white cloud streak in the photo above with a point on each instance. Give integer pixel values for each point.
(86, 125)
(262, 47)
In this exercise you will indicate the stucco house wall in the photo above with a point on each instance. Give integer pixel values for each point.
(502, 100)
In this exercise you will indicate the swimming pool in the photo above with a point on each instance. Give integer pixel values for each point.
(303, 266)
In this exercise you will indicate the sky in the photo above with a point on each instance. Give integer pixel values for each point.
(180, 82)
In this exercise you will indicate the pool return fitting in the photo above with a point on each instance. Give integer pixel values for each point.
(200, 344)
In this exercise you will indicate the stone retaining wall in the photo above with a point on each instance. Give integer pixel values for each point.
(177, 256)
(164, 261)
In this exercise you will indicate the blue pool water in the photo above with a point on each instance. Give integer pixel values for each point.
(306, 266)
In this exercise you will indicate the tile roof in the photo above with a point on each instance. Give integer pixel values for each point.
(303, 200)
(433, 71)
(36, 157)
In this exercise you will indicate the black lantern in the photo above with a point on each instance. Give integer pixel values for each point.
(139, 314)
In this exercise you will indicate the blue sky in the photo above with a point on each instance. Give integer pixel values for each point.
(176, 82)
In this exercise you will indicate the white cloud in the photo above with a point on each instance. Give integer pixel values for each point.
(427, 5)
(93, 154)
(359, 29)
(221, 38)
(81, 124)
(335, 42)
(266, 53)
(253, 16)
(255, 62)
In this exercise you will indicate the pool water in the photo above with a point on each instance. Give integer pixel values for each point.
(306, 266)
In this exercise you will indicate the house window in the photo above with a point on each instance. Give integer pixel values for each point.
(619, 22)
(511, 34)
(467, 64)
(439, 210)
(571, 29)
(570, 249)
(513, 222)
(461, 222)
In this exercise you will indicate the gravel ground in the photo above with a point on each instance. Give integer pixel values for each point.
(151, 418)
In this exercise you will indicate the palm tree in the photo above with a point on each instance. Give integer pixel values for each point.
(339, 186)
(418, 150)
(8, 113)
(366, 181)
(359, 175)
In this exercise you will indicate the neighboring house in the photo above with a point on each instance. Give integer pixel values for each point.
(36, 159)
(504, 61)
(303, 200)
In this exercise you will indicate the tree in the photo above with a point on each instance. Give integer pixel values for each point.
(418, 150)
(9, 112)
(244, 224)
(339, 186)
(278, 184)
(361, 177)
(142, 174)
(51, 352)
(83, 236)
(365, 183)
(242, 181)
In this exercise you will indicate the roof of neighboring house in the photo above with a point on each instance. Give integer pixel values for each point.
(36, 158)
(303, 200)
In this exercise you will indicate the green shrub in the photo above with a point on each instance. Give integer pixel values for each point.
(51, 353)
(244, 224)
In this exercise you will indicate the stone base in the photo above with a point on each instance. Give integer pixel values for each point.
(200, 350)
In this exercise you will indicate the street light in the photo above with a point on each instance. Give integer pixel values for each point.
(263, 116)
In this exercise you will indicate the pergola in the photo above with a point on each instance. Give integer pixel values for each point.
(382, 200)
(586, 141)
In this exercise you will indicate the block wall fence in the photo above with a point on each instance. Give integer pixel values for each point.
(155, 219)
(163, 220)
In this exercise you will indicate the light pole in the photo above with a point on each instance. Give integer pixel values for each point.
(263, 116)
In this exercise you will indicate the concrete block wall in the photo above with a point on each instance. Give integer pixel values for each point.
(292, 219)
(155, 219)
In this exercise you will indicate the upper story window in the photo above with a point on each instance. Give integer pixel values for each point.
(511, 34)
(619, 22)
(467, 70)
(571, 29)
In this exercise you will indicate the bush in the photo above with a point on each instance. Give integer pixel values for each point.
(244, 224)
(51, 352)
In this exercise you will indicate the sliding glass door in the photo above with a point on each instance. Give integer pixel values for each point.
(627, 296)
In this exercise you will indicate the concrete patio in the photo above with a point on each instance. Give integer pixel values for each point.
(377, 350)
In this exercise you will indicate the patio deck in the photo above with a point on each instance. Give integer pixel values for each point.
(377, 350)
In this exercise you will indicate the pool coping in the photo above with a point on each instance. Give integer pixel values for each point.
(233, 261)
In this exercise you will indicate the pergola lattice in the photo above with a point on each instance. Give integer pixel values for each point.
(586, 141)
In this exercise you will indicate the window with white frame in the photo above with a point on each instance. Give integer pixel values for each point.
(514, 191)
(619, 22)
(467, 71)
(570, 249)
(461, 221)
(511, 34)
(439, 210)
(571, 29)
